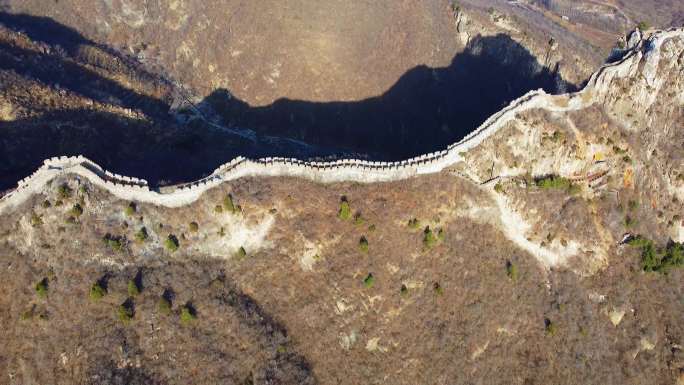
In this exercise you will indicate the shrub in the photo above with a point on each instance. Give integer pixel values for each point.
(164, 305)
(125, 312)
(97, 291)
(171, 243)
(672, 257)
(64, 191)
(42, 288)
(512, 271)
(633, 205)
(345, 211)
(437, 288)
(26, 314)
(141, 235)
(358, 219)
(241, 253)
(188, 314)
(557, 183)
(403, 290)
(114, 243)
(218, 209)
(70, 220)
(133, 288)
(498, 187)
(194, 227)
(76, 211)
(549, 327)
(662, 260)
(130, 209)
(369, 281)
(643, 25)
(584, 332)
(46, 204)
(363, 244)
(36, 220)
(414, 223)
(629, 221)
(228, 204)
(429, 239)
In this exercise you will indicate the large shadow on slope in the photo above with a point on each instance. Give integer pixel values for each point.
(70, 62)
(426, 110)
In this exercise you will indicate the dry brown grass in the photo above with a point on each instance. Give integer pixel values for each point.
(479, 322)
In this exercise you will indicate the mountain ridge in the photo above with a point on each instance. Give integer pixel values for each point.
(368, 171)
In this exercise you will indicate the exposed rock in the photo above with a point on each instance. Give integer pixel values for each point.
(616, 316)
(634, 39)
(478, 350)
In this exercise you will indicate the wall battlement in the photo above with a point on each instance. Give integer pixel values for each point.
(362, 171)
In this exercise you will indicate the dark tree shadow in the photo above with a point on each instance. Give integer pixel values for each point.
(274, 337)
(61, 64)
(159, 151)
(426, 110)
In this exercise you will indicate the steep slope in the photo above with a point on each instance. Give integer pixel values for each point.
(58, 86)
(331, 50)
(264, 50)
(62, 94)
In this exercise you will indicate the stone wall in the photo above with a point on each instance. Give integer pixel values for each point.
(346, 169)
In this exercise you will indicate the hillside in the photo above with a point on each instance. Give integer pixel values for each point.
(58, 85)
(329, 50)
(543, 248)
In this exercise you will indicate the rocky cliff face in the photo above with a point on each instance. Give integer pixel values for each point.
(610, 135)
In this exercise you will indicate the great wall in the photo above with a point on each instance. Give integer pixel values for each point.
(644, 54)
